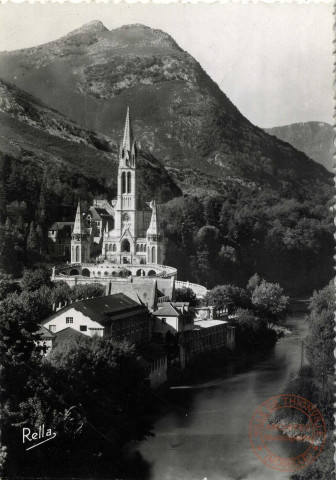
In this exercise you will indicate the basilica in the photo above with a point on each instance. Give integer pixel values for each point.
(122, 235)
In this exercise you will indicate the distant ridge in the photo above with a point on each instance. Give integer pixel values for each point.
(315, 139)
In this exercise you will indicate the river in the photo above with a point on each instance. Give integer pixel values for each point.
(205, 432)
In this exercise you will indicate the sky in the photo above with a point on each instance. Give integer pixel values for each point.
(273, 60)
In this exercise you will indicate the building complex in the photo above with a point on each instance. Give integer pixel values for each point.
(120, 245)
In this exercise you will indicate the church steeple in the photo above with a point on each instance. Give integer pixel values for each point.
(79, 227)
(128, 133)
(127, 151)
(80, 245)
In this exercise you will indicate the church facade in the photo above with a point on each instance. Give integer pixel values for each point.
(136, 238)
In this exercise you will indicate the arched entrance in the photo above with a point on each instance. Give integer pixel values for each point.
(86, 272)
(140, 273)
(125, 245)
(152, 273)
(74, 271)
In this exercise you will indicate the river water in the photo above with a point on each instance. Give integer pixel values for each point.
(204, 433)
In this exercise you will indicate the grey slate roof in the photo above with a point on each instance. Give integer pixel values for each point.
(100, 213)
(139, 292)
(45, 333)
(103, 309)
(167, 310)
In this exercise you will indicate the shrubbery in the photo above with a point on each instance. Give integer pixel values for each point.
(253, 311)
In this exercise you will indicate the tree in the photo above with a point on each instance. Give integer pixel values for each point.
(228, 254)
(19, 325)
(185, 294)
(20, 316)
(227, 296)
(11, 250)
(320, 340)
(269, 301)
(253, 282)
(322, 300)
(104, 382)
(41, 241)
(7, 285)
(212, 209)
(33, 279)
(61, 293)
(207, 239)
(32, 240)
(252, 332)
(88, 290)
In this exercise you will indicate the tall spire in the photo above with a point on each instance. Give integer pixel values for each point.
(128, 133)
(79, 227)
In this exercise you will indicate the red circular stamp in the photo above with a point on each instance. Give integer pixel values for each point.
(287, 432)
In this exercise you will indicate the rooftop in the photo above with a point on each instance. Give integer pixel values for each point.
(102, 309)
(168, 310)
(139, 292)
(45, 333)
(99, 213)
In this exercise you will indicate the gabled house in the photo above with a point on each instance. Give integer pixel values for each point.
(116, 316)
(173, 317)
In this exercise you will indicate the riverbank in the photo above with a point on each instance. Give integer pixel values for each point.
(202, 431)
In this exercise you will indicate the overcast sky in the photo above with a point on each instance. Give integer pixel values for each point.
(274, 61)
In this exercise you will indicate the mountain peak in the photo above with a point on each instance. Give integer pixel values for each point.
(140, 34)
(96, 26)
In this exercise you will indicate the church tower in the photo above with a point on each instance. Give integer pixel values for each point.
(155, 246)
(126, 206)
(80, 245)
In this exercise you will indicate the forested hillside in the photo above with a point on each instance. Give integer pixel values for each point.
(228, 237)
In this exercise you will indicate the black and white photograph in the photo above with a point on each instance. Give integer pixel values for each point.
(167, 230)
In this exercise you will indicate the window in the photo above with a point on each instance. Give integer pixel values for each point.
(52, 328)
(83, 328)
(69, 320)
(163, 320)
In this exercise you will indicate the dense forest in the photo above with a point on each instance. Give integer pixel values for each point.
(228, 237)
